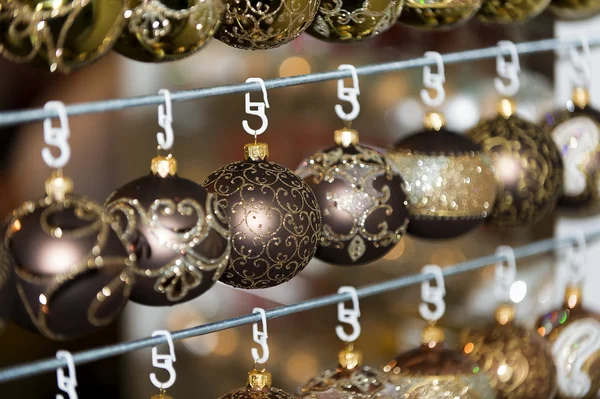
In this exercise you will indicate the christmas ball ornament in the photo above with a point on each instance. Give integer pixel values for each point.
(450, 181)
(160, 31)
(178, 232)
(363, 202)
(529, 170)
(349, 21)
(438, 14)
(73, 273)
(274, 218)
(517, 361)
(8, 290)
(574, 9)
(576, 132)
(574, 335)
(252, 25)
(258, 387)
(434, 371)
(511, 11)
(63, 35)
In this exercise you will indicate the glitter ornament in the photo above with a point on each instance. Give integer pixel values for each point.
(517, 361)
(438, 14)
(258, 387)
(574, 9)
(63, 35)
(511, 11)
(73, 273)
(274, 218)
(529, 170)
(450, 182)
(178, 232)
(160, 31)
(363, 202)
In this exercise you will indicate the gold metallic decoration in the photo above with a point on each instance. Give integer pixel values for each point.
(506, 107)
(163, 30)
(62, 34)
(517, 361)
(162, 395)
(267, 24)
(511, 11)
(345, 137)
(346, 21)
(574, 334)
(581, 97)
(256, 152)
(164, 166)
(258, 387)
(438, 14)
(574, 9)
(434, 121)
(528, 166)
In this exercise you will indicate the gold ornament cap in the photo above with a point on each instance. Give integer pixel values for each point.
(256, 152)
(164, 166)
(432, 336)
(58, 186)
(162, 395)
(573, 296)
(350, 358)
(581, 97)
(434, 121)
(505, 314)
(259, 379)
(506, 107)
(345, 137)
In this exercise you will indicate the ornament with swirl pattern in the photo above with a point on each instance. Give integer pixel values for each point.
(166, 30)
(511, 11)
(438, 14)
(363, 201)
(62, 35)
(574, 9)
(259, 386)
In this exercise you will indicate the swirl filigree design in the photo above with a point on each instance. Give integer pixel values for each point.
(574, 9)
(360, 383)
(511, 11)
(436, 14)
(274, 218)
(267, 393)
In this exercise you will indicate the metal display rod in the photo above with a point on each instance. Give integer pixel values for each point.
(88, 356)
(17, 117)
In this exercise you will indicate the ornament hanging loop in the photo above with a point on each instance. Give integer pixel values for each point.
(434, 81)
(260, 337)
(348, 316)
(164, 361)
(348, 94)
(57, 136)
(507, 69)
(505, 272)
(433, 295)
(581, 62)
(66, 383)
(165, 120)
(257, 108)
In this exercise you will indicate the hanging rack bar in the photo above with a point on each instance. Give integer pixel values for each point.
(88, 356)
(8, 118)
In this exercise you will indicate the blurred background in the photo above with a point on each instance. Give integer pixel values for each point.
(113, 148)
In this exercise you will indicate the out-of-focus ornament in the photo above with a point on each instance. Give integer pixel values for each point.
(450, 182)
(362, 200)
(346, 21)
(73, 273)
(511, 11)
(438, 14)
(160, 31)
(177, 230)
(63, 34)
(8, 289)
(273, 214)
(574, 9)
(264, 25)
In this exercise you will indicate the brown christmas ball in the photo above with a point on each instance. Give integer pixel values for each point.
(574, 9)
(576, 132)
(167, 30)
(517, 360)
(346, 21)
(574, 335)
(363, 201)
(73, 273)
(350, 380)
(274, 218)
(432, 371)
(438, 14)
(511, 11)
(178, 232)
(63, 35)
(529, 170)
(450, 181)
(8, 289)
(261, 25)
(258, 387)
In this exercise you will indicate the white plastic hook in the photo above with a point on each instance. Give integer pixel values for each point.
(349, 94)
(57, 136)
(576, 258)
(66, 383)
(581, 62)
(165, 120)
(348, 316)
(260, 337)
(505, 272)
(164, 361)
(433, 295)
(434, 81)
(257, 108)
(507, 70)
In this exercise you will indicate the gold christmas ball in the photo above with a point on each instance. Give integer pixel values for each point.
(517, 361)
(528, 167)
(511, 11)
(574, 335)
(258, 387)
(346, 21)
(574, 9)
(438, 14)
(262, 25)
(63, 34)
(167, 30)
